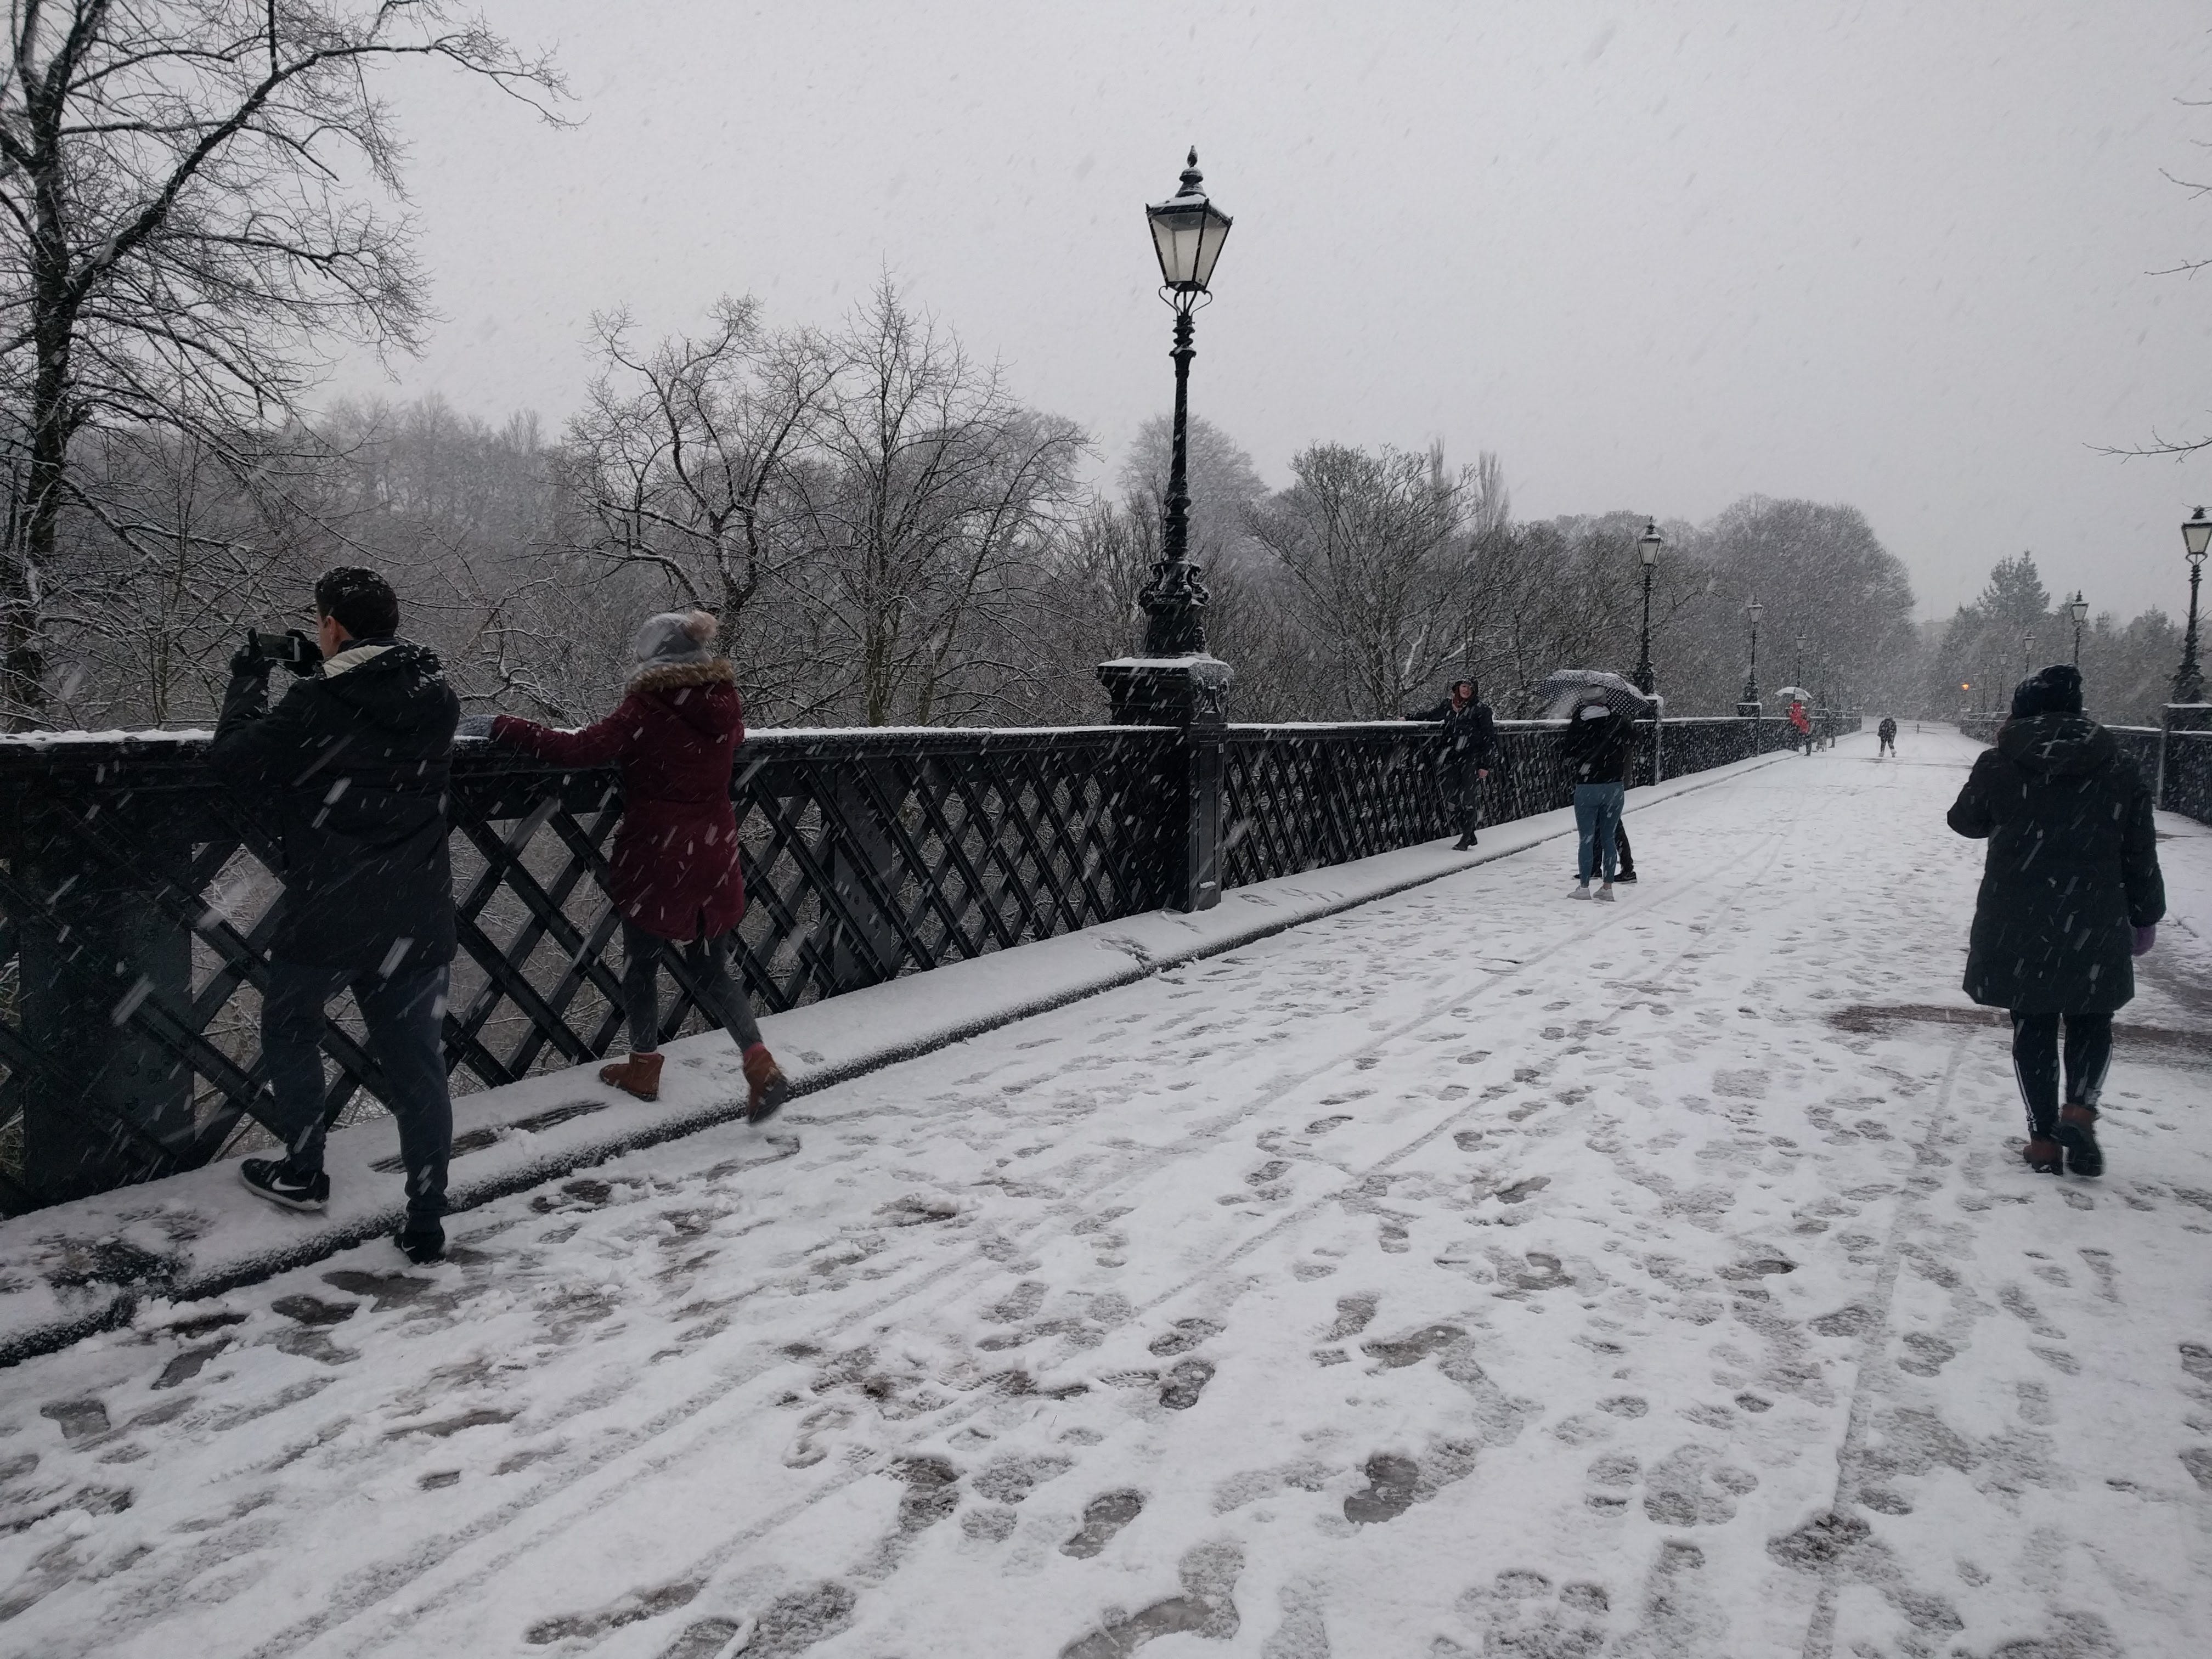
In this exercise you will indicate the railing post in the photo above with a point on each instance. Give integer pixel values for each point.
(1189, 694)
(105, 1105)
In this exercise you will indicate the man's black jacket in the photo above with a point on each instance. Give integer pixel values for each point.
(350, 771)
(1470, 734)
(1596, 748)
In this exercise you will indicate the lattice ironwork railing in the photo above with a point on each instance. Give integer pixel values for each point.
(2188, 780)
(137, 898)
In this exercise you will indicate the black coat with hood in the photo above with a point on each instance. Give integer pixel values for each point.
(1598, 745)
(2072, 868)
(350, 771)
(1470, 735)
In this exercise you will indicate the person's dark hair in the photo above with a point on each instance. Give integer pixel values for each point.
(359, 601)
(1469, 684)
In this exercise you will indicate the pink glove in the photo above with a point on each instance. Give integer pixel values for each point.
(2145, 938)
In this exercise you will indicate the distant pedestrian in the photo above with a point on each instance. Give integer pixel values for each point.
(1803, 723)
(1470, 744)
(677, 880)
(351, 767)
(2071, 894)
(1887, 732)
(1595, 749)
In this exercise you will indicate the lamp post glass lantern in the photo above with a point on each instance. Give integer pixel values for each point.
(2078, 609)
(1647, 547)
(2196, 538)
(2027, 655)
(1188, 233)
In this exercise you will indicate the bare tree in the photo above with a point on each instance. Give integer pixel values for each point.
(935, 498)
(1371, 542)
(180, 235)
(684, 467)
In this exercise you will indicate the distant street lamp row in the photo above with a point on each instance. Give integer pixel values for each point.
(1187, 233)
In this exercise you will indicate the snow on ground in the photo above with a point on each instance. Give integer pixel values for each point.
(1473, 1273)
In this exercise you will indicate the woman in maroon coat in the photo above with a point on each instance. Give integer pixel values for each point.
(676, 874)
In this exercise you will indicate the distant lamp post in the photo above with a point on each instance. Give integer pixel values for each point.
(1748, 704)
(1647, 546)
(2197, 537)
(2078, 608)
(1187, 231)
(1797, 665)
(2027, 655)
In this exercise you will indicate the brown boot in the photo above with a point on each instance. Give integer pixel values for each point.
(639, 1075)
(2077, 1133)
(2042, 1155)
(770, 1088)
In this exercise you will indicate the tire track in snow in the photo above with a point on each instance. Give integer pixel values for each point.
(1820, 1631)
(608, 1473)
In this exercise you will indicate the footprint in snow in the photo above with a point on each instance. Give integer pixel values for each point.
(1102, 1517)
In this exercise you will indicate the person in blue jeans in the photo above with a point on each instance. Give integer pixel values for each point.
(1595, 749)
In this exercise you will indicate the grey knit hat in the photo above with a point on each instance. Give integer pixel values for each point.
(673, 638)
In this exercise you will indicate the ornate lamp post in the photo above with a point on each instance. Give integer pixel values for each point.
(1647, 546)
(1797, 665)
(1749, 703)
(1187, 231)
(2078, 608)
(2026, 654)
(2195, 537)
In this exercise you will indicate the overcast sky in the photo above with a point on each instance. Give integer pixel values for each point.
(1657, 257)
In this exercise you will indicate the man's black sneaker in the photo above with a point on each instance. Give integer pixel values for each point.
(1465, 842)
(421, 1242)
(1627, 876)
(269, 1178)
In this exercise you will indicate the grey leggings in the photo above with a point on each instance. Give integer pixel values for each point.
(710, 961)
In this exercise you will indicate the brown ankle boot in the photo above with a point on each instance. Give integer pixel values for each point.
(2077, 1133)
(770, 1088)
(2042, 1155)
(639, 1075)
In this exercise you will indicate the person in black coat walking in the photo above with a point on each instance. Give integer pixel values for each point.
(2071, 894)
(350, 771)
(1470, 744)
(1595, 751)
(1887, 732)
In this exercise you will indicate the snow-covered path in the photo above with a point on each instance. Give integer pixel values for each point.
(1473, 1273)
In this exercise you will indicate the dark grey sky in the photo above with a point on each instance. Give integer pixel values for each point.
(1657, 257)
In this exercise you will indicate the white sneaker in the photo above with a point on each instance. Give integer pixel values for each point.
(1604, 894)
(1582, 891)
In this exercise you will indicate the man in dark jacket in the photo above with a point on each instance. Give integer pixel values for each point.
(350, 771)
(1596, 749)
(2071, 894)
(1470, 743)
(1887, 732)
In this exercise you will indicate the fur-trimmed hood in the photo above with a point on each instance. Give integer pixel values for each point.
(676, 676)
(701, 695)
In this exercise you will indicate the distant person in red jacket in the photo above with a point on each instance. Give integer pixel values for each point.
(676, 875)
(1803, 722)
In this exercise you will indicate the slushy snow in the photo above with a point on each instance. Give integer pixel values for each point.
(1471, 1272)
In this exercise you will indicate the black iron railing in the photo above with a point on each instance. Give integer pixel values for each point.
(2175, 759)
(138, 896)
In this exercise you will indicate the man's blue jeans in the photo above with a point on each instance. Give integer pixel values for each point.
(405, 1017)
(1597, 815)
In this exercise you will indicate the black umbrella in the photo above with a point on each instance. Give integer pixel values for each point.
(1565, 690)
